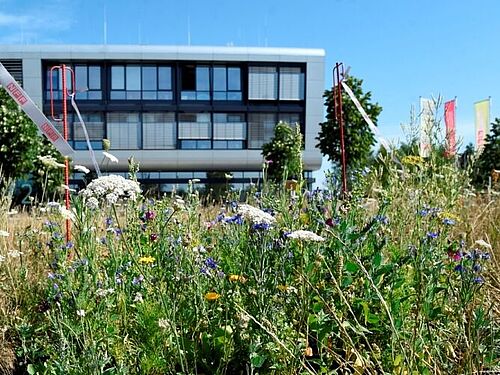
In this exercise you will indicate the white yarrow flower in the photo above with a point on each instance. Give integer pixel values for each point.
(255, 215)
(109, 189)
(2, 258)
(92, 203)
(112, 158)
(81, 168)
(50, 161)
(14, 253)
(4, 233)
(80, 313)
(306, 235)
(138, 299)
(67, 214)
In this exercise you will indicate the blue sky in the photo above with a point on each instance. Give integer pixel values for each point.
(403, 49)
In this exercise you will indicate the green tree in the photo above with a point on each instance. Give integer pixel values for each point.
(19, 141)
(359, 139)
(283, 152)
(20, 146)
(489, 159)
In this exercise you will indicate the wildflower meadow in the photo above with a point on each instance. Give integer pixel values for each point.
(398, 277)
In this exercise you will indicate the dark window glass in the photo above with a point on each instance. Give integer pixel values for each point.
(188, 78)
(117, 78)
(149, 78)
(164, 78)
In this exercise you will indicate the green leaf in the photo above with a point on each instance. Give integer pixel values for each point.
(257, 360)
(351, 267)
(377, 260)
(31, 369)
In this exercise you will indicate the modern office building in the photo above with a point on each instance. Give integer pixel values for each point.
(181, 112)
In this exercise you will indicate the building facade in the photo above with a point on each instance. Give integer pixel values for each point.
(181, 112)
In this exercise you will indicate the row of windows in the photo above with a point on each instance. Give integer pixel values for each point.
(197, 82)
(166, 130)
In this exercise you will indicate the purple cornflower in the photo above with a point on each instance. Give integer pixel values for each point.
(103, 240)
(211, 263)
(478, 280)
(261, 226)
(459, 268)
(69, 245)
(219, 217)
(138, 280)
(236, 219)
(203, 271)
(382, 219)
(56, 235)
(108, 221)
(432, 235)
(448, 221)
(117, 231)
(50, 224)
(476, 267)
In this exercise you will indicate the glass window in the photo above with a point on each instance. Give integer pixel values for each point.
(202, 78)
(149, 78)
(81, 78)
(262, 83)
(117, 78)
(195, 126)
(123, 130)
(164, 78)
(135, 82)
(195, 82)
(159, 130)
(260, 128)
(133, 77)
(291, 83)
(227, 83)
(220, 79)
(234, 79)
(230, 126)
(94, 77)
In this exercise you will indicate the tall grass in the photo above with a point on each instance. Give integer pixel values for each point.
(396, 282)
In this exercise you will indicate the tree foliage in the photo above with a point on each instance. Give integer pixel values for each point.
(20, 146)
(489, 159)
(283, 153)
(359, 139)
(19, 141)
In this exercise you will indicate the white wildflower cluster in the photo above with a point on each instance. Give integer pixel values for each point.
(109, 189)
(50, 161)
(104, 292)
(305, 235)
(4, 233)
(255, 215)
(67, 214)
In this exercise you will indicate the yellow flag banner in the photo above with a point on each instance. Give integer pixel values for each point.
(482, 121)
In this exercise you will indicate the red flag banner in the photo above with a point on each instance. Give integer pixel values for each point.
(449, 120)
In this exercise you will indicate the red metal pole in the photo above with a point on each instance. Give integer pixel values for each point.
(66, 161)
(340, 118)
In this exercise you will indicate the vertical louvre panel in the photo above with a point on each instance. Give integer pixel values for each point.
(123, 130)
(291, 84)
(195, 126)
(262, 83)
(260, 128)
(230, 130)
(94, 124)
(159, 131)
(15, 68)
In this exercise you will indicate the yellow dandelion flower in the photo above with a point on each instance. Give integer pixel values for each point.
(147, 260)
(235, 278)
(212, 296)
